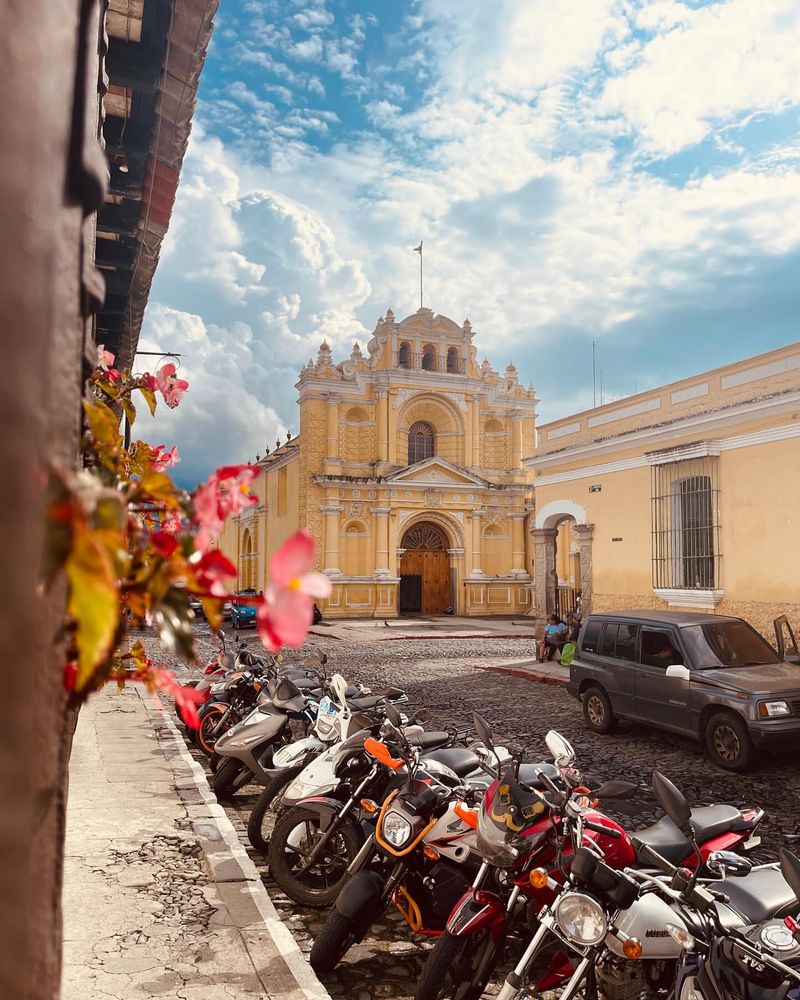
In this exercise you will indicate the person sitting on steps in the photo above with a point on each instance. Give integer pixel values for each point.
(555, 635)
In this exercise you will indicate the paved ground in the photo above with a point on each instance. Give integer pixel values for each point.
(442, 674)
(159, 898)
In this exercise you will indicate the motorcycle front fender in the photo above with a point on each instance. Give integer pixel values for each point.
(475, 911)
(327, 809)
(362, 896)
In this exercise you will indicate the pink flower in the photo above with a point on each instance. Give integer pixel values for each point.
(186, 698)
(164, 543)
(288, 609)
(147, 381)
(226, 492)
(104, 358)
(163, 459)
(212, 569)
(170, 523)
(170, 386)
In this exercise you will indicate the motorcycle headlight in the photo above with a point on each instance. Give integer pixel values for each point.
(396, 829)
(580, 919)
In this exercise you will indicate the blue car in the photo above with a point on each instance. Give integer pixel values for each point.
(243, 614)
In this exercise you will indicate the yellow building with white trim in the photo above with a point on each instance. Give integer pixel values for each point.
(686, 496)
(408, 473)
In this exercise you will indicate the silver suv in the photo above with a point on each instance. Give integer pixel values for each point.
(707, 676)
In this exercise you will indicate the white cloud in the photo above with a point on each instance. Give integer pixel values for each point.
(707, 65)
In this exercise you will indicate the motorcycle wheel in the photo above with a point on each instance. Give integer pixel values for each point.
(230, 777)
(257, 832)
(452, 965)
(337, 937)
(295, 835)
(206, 737)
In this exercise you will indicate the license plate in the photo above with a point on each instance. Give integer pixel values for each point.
(326, 707)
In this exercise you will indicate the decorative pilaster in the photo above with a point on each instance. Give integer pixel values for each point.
(382, 405)
(476, 431)
(332, 450)
(477, 516)
(516, 441)
(585, 533)
(331, 512)
(518, 567)
(380, 522)
(544, 570)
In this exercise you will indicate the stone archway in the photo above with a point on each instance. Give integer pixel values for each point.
(425, 580)
(544, 534)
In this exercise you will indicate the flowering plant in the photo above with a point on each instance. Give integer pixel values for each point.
(135, 548)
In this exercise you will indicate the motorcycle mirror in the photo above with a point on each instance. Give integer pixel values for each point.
(560, 749)
(393, 716)
(790, 868)
(423, 715)
(673, 803)
(483, 730)
(322, 657)
(727, 863)
(616, 790)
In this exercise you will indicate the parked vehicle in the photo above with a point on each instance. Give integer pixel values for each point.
(622, 932)
(243, 614)
(324, 821)
(421, 856)
(713, 678)
(521, 828)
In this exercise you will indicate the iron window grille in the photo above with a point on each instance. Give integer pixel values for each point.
(685, 525)
(421, 440)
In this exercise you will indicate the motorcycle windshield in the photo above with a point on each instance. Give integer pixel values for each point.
(510, 821)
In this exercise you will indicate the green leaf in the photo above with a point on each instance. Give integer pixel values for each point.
(93, 604)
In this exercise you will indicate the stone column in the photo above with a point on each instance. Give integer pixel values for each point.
(380, 522)
(584, 533)
(518, 567)
(476, 431)
(332, 512)
(477, 516)
(516, 441)
(382, 405)
(544, 569)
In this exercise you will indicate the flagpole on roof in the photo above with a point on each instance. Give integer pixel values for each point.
(419, 251)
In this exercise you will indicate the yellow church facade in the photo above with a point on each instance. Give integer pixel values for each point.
(408, 472)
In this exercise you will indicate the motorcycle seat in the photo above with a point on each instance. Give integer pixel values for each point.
(707, 821)
(429, 740)
(305, 683)
(760, 895)
(460, 761)
(367, 702)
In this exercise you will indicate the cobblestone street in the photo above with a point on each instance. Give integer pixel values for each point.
(442, 674)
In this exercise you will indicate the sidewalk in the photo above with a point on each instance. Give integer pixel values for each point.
(160, 899)
(433, 627)
(548, 672)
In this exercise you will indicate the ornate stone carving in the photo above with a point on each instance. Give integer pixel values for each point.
(356, 493)
(458, 515)
(354, 508)
(373, 494)
(432, 498)
(405, 514)
(403, 397)
(544, 570)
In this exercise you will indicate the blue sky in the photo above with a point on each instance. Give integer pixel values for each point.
(609, 170)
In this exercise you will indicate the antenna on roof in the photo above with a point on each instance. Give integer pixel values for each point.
(419, 251)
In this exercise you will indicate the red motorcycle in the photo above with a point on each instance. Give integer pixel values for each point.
(524, 846)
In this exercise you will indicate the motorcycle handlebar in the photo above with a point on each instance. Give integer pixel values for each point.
(645, 851)
(607, 831)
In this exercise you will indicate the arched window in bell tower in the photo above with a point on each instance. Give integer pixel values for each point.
(404, 355)
(453, 360)
(429, 358)
(421, 441)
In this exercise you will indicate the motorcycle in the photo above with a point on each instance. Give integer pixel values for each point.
(624, 927)
(335, 722)
(323, 822)
(465, 956)
(420, 857)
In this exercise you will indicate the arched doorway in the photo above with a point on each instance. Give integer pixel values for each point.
(425, 570)
(562, 525)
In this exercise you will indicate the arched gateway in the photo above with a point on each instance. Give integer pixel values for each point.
(425, 570)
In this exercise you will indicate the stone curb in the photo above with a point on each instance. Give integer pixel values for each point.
(273, 950)
(528, 675)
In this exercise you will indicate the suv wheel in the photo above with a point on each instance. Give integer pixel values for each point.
(597, 710)
(728, 741)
